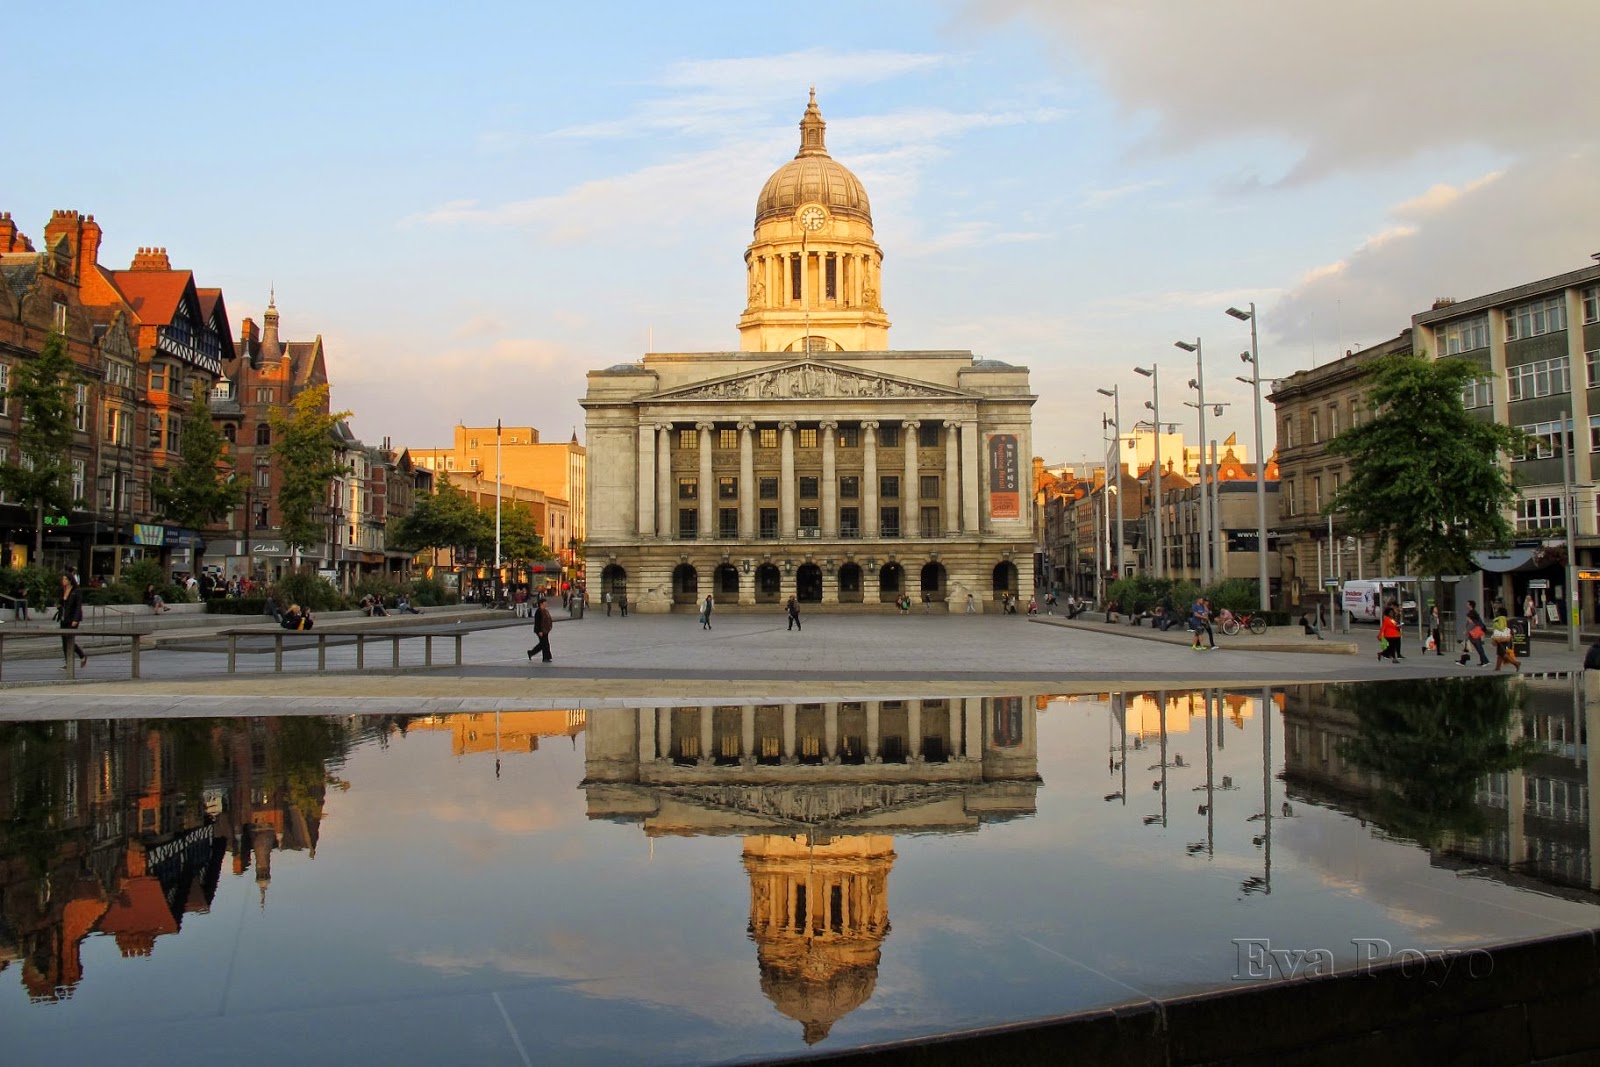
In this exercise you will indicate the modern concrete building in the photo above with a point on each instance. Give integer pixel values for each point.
(814, 462)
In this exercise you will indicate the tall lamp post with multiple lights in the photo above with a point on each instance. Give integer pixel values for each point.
(1253, 357)
(1198, 382)
(1153, 372)
(1115, 393)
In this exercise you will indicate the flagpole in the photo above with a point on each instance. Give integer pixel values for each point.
(497, 488)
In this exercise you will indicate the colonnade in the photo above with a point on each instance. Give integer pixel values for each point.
(771, 280)
(959, 498)
(963, 733)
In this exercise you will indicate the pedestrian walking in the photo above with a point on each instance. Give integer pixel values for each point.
(1389, 637)
(1050, 602)
(705, 614)
(608, 603)
(1435, 631)
(1200, 622)
(1529, 611)
(1504, 652)
(70, 614)
(793, 609)
(542, 624)
(1472, 636)
(972, 605)
(622, 604)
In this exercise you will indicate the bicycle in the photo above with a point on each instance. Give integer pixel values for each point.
(1232, 624)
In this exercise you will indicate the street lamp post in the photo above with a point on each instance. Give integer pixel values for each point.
(1198, 383)
(1253, 357)
(1153, 372)
(1115, 393)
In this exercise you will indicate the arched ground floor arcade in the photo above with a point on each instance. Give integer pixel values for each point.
(858, 575)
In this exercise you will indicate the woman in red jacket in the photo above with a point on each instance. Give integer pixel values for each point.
(1389, 634)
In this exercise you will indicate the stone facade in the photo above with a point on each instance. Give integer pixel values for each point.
(807, 465)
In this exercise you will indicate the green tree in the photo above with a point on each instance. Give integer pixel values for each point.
(303, 448)
(519, 540)
(1426, 478)
(447, 518)
(42, 390)
(199, 490)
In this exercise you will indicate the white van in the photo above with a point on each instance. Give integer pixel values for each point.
(1364, 598)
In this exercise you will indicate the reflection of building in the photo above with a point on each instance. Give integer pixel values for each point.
(814, 462)
(816, 790)
(506, 731)
(1536, 821)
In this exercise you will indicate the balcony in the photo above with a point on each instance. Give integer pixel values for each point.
(813, 532)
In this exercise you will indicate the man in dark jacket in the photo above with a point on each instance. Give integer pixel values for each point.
(542, 624)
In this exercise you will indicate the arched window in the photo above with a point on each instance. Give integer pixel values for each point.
(263, 434)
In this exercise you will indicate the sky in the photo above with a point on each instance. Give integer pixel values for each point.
(476, 204)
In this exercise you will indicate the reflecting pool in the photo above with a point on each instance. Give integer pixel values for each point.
(719, 883)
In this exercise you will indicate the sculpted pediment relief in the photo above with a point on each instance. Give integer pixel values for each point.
(809, 380)
(813, 805)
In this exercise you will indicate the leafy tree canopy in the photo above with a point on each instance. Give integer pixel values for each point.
(1426, 477)
(303, 448)
(445, 519)
(41, 389)
(198, 490)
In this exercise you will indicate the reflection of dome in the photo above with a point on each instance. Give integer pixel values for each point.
(818, 914)
(813, 177)
(816, 984)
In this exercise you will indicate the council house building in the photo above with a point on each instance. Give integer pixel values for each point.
(814, 462)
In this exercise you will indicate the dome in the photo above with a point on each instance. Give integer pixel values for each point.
(813, 177)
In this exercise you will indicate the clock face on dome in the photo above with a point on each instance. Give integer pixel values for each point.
(813, 218)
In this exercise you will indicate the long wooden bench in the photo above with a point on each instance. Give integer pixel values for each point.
(134, 635)
(297, 639)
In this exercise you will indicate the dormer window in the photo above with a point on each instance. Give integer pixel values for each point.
(59, 316)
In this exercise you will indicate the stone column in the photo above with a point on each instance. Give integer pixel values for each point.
(910, 490)
(647, 481)
(830, 481)
(972, 742)
(708, 491)
(747, 734)
(869, 479)
(952, 478)
(913, 731)
(747, 482)
(830, 732)
(969, 476)
(786, 486)
(872, 732)
(647, 734)
(666, 491)
(707, 737)
(788, 733)
(664, 732)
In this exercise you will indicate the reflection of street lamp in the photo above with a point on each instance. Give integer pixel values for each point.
(1153, 372)
(1253, 357)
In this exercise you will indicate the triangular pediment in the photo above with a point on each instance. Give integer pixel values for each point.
(811, 379)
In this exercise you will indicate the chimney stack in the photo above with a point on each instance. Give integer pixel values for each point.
(83, 238)
(151, 259)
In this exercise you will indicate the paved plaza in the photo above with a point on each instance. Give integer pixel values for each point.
(601, 661)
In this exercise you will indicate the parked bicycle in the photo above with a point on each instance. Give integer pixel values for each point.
(1230, 624)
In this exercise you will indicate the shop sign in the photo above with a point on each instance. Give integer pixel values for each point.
(147, 534)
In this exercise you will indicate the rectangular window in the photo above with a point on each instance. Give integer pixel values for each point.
(449, 462)
(1539, 513)
(59, 317)
(767, 437)
(263, 477)
(1316, 428)
(1591, 304)
(810, 525)
(1544, 377)
(1316, 494)
(727, 438)
(849, 522)
(1333, 421)
(1288, 431)
(77, 479)
(1289, 501)
(769, 523)
(688, 439)
(1544, 439)
(1464, 335)
(889, 437)
(889, 486)
(831, 279)
(1536, 317)
(728, 523)
(5, 384)
(794, 277)
(808, 437)
(1594, 433)
(158, 378)
(930, 522)
(727, 488)
(849, 437)
(472, 442)
(5, 457)
(808, 488)
(688, 523)
(930, 486)
(1591, 363)
(156, 440)
(849, 487)
(928, 435)
(769, 489)
(1478, 393)
(688, 488)
(889, 522)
